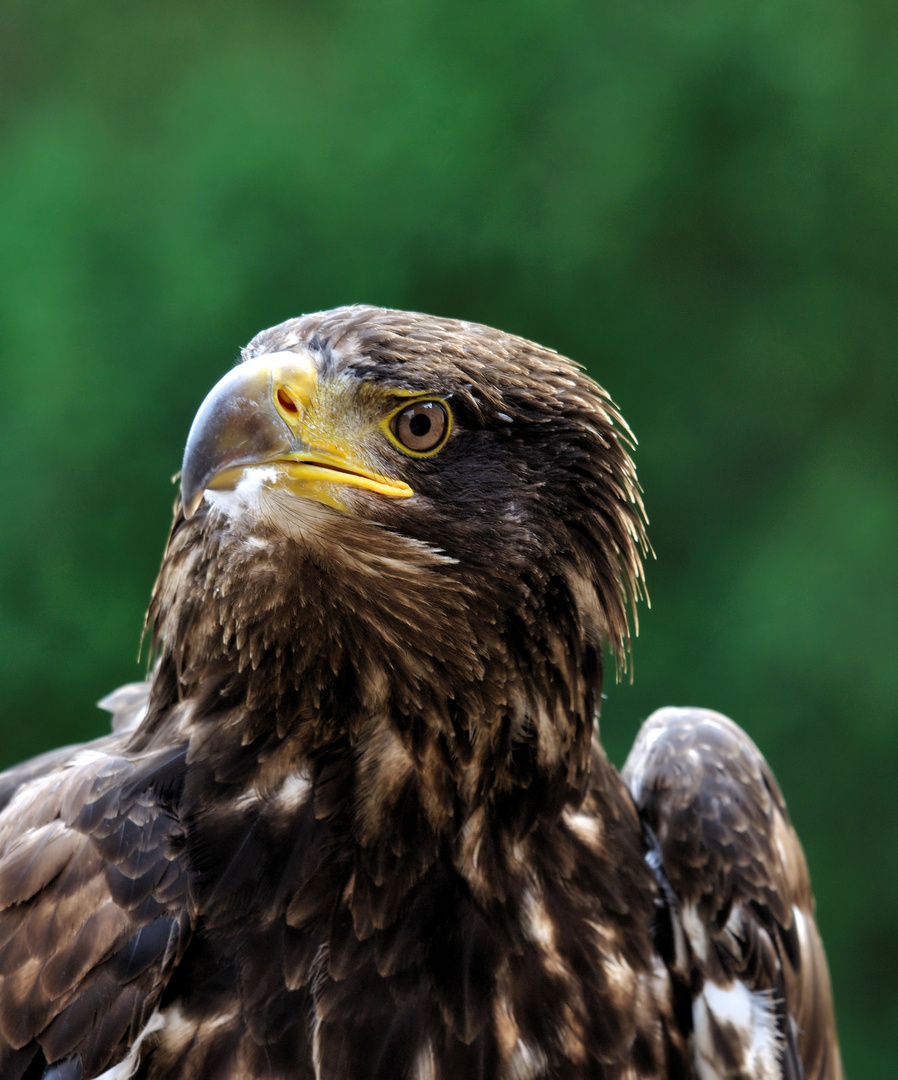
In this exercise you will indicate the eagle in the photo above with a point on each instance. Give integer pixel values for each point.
(358, 824)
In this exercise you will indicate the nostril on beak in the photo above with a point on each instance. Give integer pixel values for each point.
(287, 402)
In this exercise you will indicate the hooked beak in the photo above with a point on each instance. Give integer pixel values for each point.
(258, 415)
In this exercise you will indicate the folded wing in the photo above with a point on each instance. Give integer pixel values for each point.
(94, 906)
(750, 951)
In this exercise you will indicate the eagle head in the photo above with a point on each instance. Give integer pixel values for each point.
(408, 532)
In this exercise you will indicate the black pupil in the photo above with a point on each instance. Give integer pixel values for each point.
(419, 425)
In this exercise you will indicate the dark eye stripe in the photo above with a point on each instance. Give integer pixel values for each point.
(421, 427)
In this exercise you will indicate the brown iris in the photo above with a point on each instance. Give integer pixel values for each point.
(421, 427)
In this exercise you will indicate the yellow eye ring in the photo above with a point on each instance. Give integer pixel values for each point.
(419, 428)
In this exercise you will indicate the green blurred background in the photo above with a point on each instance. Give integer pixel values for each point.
(698, 200)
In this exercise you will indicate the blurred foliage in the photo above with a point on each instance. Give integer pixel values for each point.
(697, 200)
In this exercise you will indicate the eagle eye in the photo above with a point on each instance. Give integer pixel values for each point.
(421, 428)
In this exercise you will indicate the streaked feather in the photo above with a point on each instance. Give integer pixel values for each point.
(358, 822)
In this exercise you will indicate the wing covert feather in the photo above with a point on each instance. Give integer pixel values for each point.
(762, 1004)
(94, 907)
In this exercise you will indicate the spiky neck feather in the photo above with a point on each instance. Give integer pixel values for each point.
(449, 645)
(442, 740)
(424, 674)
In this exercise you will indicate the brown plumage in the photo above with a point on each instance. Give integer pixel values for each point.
(359, 824)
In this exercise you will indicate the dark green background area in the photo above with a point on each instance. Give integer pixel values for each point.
(697, 200)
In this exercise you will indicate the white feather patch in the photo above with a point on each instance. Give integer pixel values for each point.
(526, 1062)
(425, 1064)
(745, 1015)
(586, 827)
(127, 1066)
(294, 791)
(246, 494)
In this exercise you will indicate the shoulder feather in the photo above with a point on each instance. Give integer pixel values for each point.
(762, 1001)
(94, 907)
